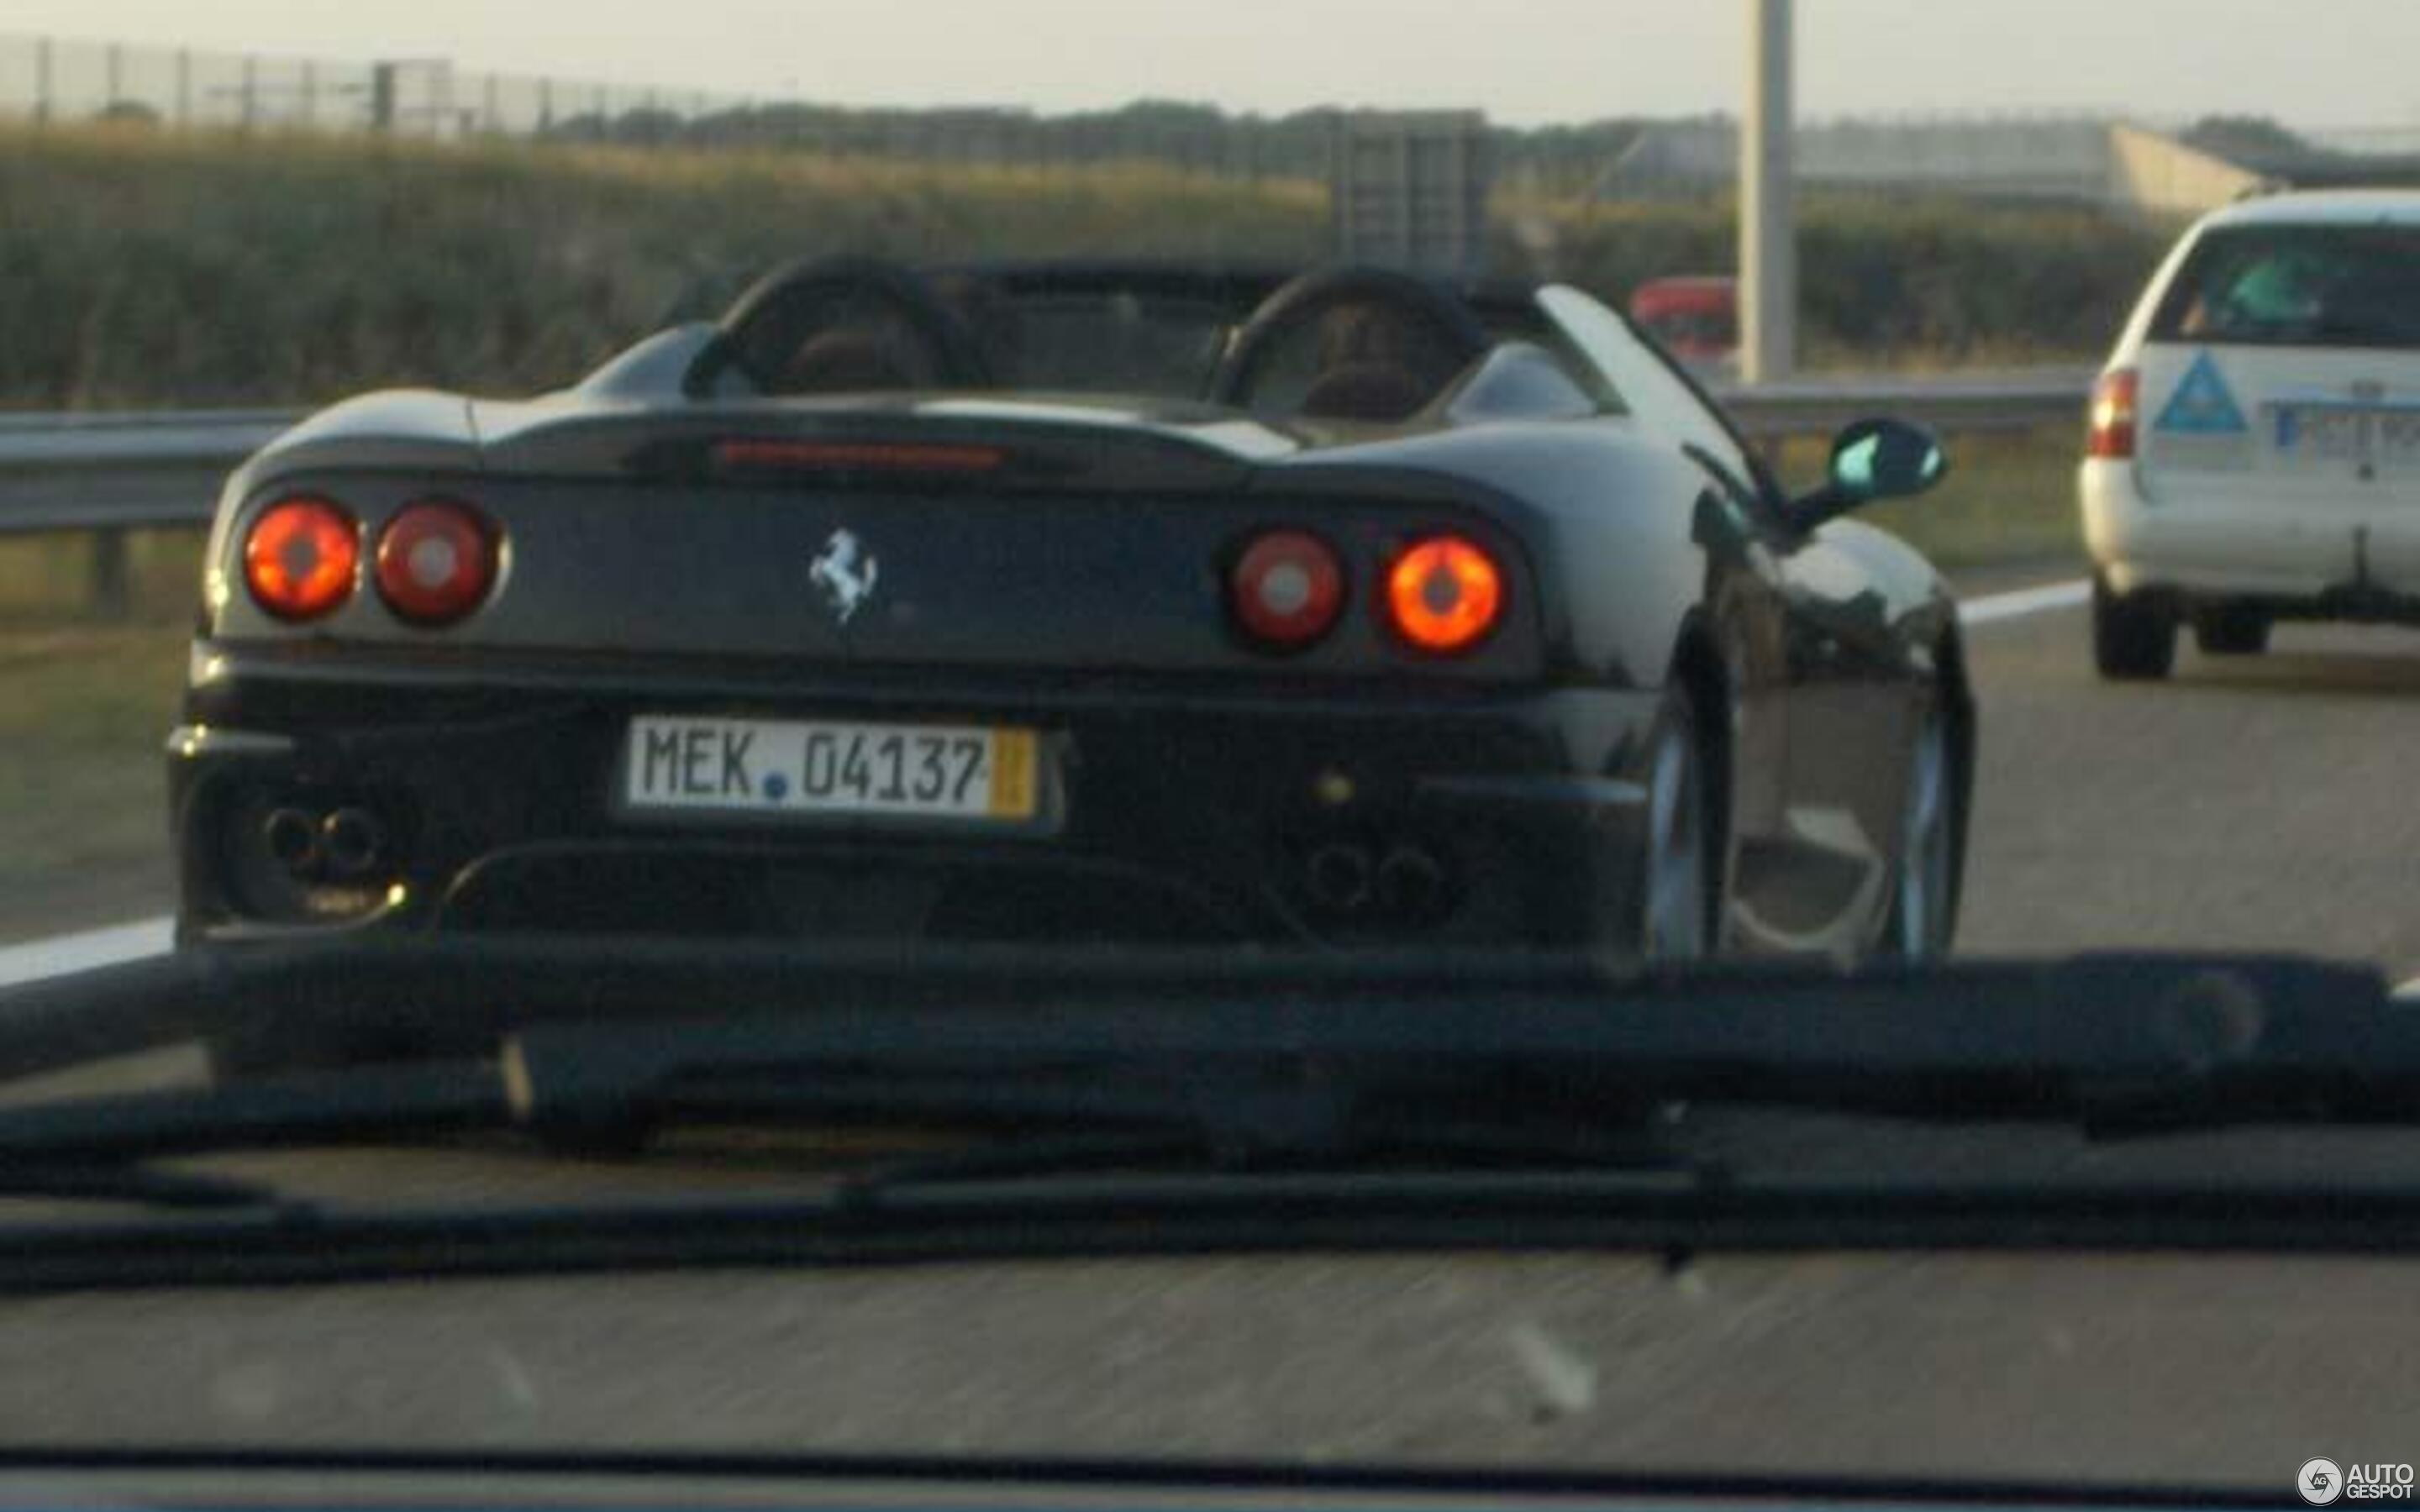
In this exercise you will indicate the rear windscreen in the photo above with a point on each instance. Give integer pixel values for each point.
(2298, 285)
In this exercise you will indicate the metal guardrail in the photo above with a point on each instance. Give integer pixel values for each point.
(1953, 403)
(122, 471)
(107, 472)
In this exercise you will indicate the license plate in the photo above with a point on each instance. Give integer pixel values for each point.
(2323, 433)
(2398, 440)
(800, 767)
(2386, 438)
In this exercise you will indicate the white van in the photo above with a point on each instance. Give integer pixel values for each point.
(2254, 445)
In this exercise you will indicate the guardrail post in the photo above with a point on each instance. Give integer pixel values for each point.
(108, 592)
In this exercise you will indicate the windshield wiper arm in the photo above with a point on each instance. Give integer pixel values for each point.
(94, 1150)
(1277, 1111)
(105, 1134)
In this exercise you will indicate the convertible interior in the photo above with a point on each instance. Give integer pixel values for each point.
(1345, 345)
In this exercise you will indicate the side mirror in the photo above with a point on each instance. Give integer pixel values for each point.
(1874, 459)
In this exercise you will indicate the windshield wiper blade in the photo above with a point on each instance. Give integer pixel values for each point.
(2119, 1015)
(138, 1185)
(1027, 1043)
(1379, 1152)
(103, 1135)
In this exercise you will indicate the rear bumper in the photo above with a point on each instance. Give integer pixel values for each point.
(1196, 812)
(2316, 562)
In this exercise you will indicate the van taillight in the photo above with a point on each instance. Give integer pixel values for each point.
(435, 561)
(300, 558)
(2111, 435)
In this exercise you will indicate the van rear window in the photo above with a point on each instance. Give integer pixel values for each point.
(2298, 285)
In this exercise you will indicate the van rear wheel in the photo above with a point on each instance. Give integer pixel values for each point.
(2134, 635)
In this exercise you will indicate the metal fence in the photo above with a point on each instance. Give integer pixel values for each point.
(45, 79)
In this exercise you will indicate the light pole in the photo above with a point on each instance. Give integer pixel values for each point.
(1768, 215)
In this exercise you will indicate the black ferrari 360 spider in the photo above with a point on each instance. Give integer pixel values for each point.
(1082, 603)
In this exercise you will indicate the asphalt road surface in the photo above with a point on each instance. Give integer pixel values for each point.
(2268, 803)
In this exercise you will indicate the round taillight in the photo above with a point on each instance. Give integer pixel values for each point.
(300, 558)
(1445, 594)
(436, 561)
(1287, 588)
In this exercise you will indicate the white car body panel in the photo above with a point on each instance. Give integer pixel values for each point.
(2262, 470)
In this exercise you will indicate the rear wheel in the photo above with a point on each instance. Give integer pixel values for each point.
(2134, 635)
(1924, 906)
(1682, 887)
(2231, 630)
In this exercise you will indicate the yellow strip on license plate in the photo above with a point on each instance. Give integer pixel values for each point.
(677, 764)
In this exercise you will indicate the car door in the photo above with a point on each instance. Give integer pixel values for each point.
(1831, 683)
(1827, 656)
(1853, 687)
(1745, 596)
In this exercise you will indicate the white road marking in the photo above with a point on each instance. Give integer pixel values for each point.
(2409, 992)
(64, 954)
(1997, 609)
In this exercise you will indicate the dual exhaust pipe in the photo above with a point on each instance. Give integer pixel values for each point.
(1406, 884)
(349, 842)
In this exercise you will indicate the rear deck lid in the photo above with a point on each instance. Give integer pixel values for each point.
(2283, 365)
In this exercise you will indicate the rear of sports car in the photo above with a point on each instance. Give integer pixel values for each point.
(1012, 673)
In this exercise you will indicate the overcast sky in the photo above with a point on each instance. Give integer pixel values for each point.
(2319, 62)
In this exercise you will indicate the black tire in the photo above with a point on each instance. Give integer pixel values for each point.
(2232, 630)
(2134, 636)
(1681, 885)
(1928, 881)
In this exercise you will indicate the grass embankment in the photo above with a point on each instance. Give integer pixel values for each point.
(84, 713)
(139, 269)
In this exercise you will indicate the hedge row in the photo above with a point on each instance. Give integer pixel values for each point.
(138, 269)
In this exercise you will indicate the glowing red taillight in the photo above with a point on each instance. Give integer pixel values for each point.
(300, 558)
(1445, 594)
(436, 561)
(2111, 435)
(1287, 588)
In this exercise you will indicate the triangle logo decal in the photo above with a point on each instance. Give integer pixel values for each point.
(2202, 405)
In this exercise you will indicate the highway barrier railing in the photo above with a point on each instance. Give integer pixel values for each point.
(112, 472)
